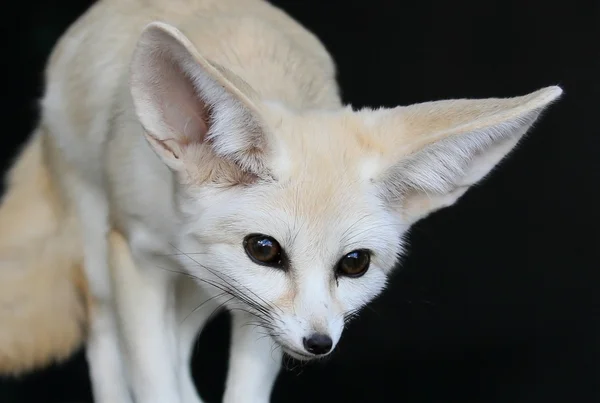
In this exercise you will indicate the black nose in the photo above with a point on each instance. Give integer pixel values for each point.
(318, 344)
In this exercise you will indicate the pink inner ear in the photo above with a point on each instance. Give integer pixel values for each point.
(181, 107)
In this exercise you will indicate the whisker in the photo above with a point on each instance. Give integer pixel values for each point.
(182, 254)
(218, 309)
(241, 298)
(234, 293)
(354, 224)
(370, 228)
(219, 276)
(202, 304)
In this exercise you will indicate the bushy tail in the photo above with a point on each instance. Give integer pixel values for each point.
(43, 293)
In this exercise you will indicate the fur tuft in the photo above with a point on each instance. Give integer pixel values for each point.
(43, 307)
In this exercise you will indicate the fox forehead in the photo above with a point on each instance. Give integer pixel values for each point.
(323, 147)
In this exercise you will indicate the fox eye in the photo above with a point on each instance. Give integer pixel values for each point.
(354, 264)
(263, 250)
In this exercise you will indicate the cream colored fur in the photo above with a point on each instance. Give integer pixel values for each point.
(43, 292)
(173, 129)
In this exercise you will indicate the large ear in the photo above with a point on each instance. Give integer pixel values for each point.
(188, 105)
(440, 149)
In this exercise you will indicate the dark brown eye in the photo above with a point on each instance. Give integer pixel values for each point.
(354, 264)
(264, 250)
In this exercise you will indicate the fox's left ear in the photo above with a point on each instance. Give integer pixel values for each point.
(433, 152)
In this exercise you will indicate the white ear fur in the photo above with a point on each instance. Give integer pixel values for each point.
(183, 101)
(445, 147)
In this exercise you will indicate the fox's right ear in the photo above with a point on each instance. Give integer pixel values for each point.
(188, 105)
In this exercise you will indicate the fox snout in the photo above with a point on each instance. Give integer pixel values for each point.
(307, 334)
(318, 344)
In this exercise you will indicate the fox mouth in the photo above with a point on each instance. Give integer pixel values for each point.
(297, 354)
(293, 352)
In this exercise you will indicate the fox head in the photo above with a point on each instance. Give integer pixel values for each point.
(301, 214)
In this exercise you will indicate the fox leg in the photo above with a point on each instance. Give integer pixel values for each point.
(195, 308)
(147, 317)
(254, 362)
(103, 351)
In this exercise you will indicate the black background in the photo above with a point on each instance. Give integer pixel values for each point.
(497, 301)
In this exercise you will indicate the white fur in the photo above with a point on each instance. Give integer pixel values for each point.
(279, 155)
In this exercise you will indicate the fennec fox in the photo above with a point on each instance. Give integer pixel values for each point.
(207, 138)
